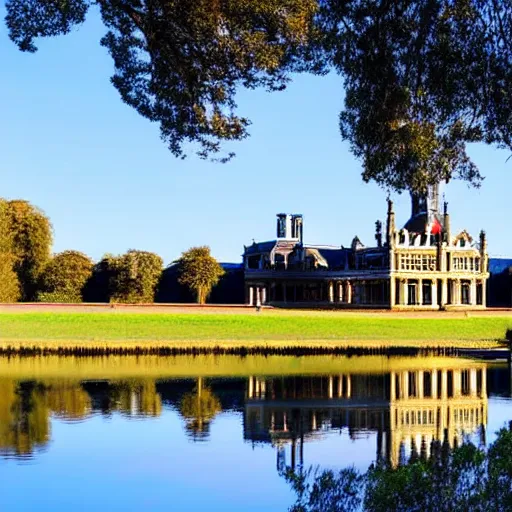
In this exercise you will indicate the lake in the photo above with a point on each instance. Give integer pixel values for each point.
(218, 432)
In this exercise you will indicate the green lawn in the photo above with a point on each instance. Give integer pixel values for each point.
(219, 328)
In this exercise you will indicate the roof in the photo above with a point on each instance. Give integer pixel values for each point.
(258, 247)
(499, 265)
(335, 257)
(231, 266)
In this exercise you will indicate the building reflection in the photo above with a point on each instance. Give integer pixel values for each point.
(407, 409)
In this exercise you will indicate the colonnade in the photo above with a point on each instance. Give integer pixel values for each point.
(256, 295)
(419, 291)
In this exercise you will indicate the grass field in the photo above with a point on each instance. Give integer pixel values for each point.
(327, 328)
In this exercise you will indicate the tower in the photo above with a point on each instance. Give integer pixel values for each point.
(290, 226)
(425, 212)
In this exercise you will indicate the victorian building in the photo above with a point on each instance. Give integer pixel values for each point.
(419, 266)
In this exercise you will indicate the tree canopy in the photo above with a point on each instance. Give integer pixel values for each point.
(30, 237)
(422, 78)
(9, 283)
(179, 62)
(134, 276)
(200, 271)
(64, 277)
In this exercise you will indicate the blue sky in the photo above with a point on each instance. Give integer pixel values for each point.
(108, 183)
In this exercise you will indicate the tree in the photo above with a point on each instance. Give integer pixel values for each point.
(422, 80)
(31, 239)
(99, 286)
(199, 271)
(9, 283)
(180, 62)
(134, 276)
(64, 277)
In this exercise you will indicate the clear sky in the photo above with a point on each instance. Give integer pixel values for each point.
(108, 183)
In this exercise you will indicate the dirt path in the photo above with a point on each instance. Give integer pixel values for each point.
(240, 309)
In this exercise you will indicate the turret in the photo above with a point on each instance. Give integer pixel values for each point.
(446, 224)
(390, 225)
(483, 251)
(378, 233)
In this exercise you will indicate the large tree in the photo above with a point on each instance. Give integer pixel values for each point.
(64, 277)
(179, 62)
(134, 276)
(31, 239)
(9, 283)
(200, 271)
(422, 80)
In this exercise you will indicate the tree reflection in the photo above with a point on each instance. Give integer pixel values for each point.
(199, 407)
(24, 416)
(68, 400)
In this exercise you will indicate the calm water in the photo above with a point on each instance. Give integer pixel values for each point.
(216, 433)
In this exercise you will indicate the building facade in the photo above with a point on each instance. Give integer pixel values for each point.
(421, 266)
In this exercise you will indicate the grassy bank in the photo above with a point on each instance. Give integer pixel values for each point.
(126, 329)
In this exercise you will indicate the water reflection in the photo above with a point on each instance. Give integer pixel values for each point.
(408, 405)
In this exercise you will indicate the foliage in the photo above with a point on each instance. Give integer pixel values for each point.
(326, 491)
(135, 276)
(64, 277)
(31, 238)
(460, 479)
(180, 62)
(199, 408)
(98, 287)
(9, 283)
(199, 271)
(130, 278)
(422, 80)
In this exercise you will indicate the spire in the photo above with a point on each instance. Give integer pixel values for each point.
(390, 224)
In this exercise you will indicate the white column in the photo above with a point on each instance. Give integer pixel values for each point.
(264, 295)
(444, 292)
(258, 296)
(349, 293)
(472, 382)
(251, 389)
(331, 386)
(340, 386)
(392, 289)
(444, 384)
(403, 292)
(472, 293)
(458, 290)
(434, 292)
(419, 298)
(331, 291)
(251, 295)
(340, 291)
